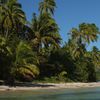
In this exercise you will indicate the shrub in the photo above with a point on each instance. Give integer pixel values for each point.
(27, 72)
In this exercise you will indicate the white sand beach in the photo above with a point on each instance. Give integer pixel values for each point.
(49, 86)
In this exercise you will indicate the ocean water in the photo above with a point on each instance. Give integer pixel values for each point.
(54, 94)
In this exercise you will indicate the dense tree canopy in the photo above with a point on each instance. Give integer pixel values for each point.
(33, 51)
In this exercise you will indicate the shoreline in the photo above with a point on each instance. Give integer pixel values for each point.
(49, 86)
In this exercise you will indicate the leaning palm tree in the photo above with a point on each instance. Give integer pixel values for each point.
(47, 6)
(86, 33)
(82, 35)
(11, 15)
(45, 32)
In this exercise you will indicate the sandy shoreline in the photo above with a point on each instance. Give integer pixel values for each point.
(49, 86)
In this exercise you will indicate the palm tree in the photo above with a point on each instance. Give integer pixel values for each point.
(45, 32)
(86, 33)
(82, 35)
(76, 49)
(27, 72)
(95, 56)
(47, 6)
(3, 1)
(24, 63)
(12, 16)
(24, 54)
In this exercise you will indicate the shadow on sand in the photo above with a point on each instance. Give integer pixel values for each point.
(27, 84)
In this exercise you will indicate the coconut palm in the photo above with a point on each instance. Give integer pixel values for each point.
(45, 32)
(24, 62)
(24, 54)
(12, 16)
(47, 6)
(82, 35)
(96, 57)
(76, 49)
(27, 72)
(86, 32)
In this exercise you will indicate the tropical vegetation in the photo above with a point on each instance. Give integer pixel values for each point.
(33, 51)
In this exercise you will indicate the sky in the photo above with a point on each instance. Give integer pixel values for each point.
(69, 14)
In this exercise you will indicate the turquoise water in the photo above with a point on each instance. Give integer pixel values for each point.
(55, 94)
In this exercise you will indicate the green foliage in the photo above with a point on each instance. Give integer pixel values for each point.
(27, 72)
(63, 61)
(45, 32)
(32, 51)
(81, 71)
(87, 32)
(95, 54)
(47, 6)
(98, 75)
(63, 76)
(23, 61)
(12, 17)
(52, 79)
(24, 54)
(5, 58)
